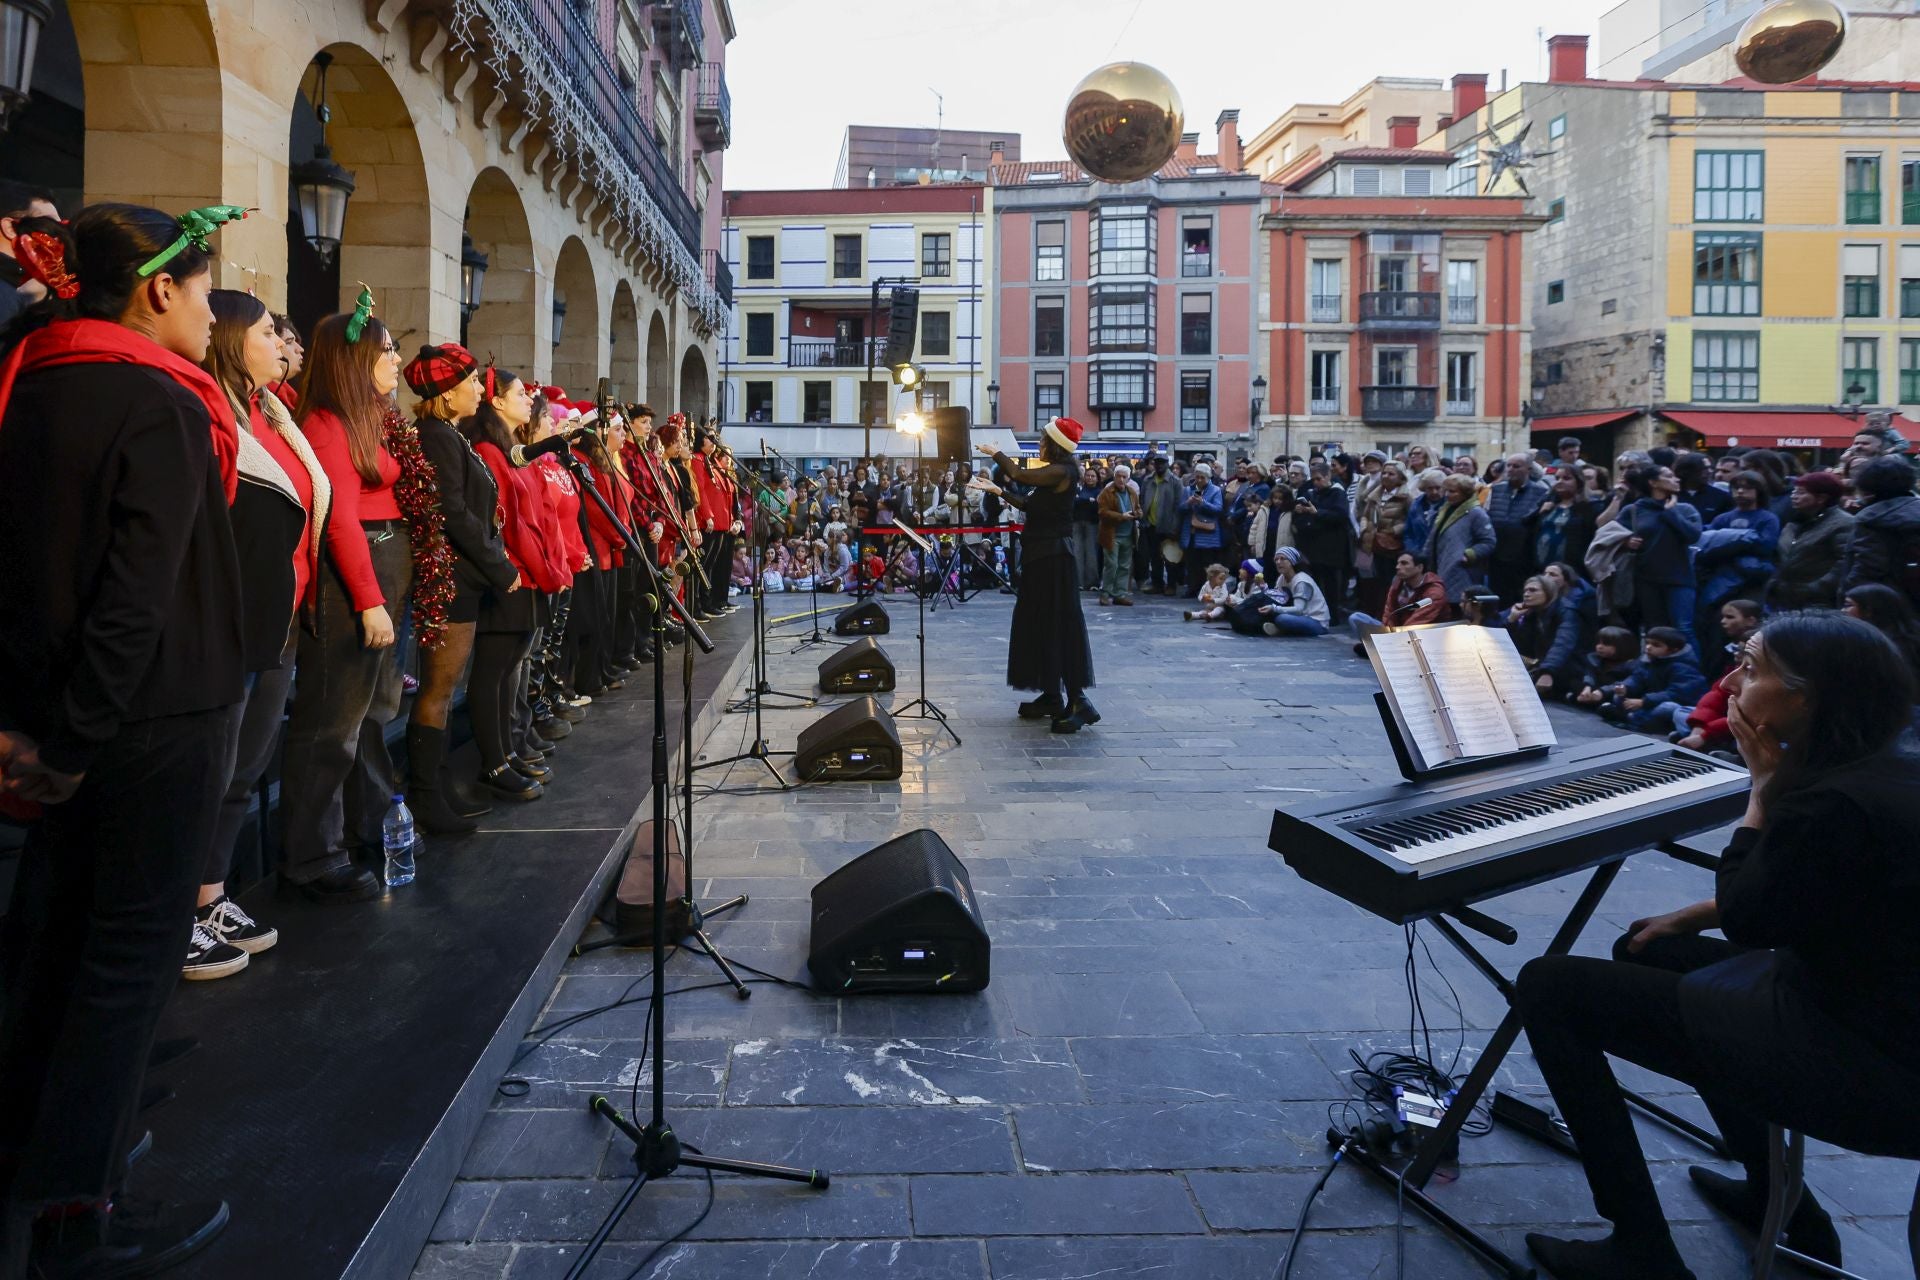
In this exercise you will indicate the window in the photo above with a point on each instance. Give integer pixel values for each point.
(873, 401)
(759, 402)
(1860, 280)
(759, 333)
(1863, 189)
(1556, 372)
(1196, 324)
(1727, 186)
(817, 401)
(1726, 273)
(1910, 191)
(936, 254)
(1463, 175)
(1556, 291)
(1196, 246)
(759, 257)
(1050, 257)
(1050, 327)
(1324, 377)
(1416, 182)
(1860, 367)
(1909, 282)
(1726, 366)
(1196, 401)
(1120, 386)
(1463, 291)
(1557, 210)
(1122, 420)
(1123, 319)
(1366, 182)
(1323, 291)
(1049, 395)
(1910, 371)
(936, 395)
(936, 333)
(1393, 366)
(1460, 385)
(1556, 128)
(1123, 242)
(846, 257)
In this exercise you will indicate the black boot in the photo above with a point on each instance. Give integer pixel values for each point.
(1047, 706)
(426, 758)
(1809, 1230)
(1080, 714)
(1607, 1259)
(461, 798)
(509, 784)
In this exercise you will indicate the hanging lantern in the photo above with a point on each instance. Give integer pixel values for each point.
(322, 188)
(559, 318)
(473, 274)
(20, 23)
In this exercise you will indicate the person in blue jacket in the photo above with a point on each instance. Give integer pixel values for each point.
(1202, 511)
(1549, 632)
(1665, 677)
(1736, 553)
(1664, 531)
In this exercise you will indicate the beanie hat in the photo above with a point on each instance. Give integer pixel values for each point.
(439, 369)
(1290, 554)
(1251, 566)
(1824, 483)
(1202, 470)
(1065, 432)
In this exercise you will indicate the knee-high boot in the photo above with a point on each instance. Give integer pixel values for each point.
(426, 796)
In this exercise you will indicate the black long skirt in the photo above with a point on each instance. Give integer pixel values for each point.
(1048, 644)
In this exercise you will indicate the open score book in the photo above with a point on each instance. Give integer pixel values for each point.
(1458, 692)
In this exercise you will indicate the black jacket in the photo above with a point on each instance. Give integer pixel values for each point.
(1886, 539)
(468, 498)
(117, 563)
(267, 520)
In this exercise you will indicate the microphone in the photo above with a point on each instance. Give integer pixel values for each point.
(522, 454)
(603, 400)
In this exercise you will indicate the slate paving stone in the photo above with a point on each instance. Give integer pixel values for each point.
(1144, 1088)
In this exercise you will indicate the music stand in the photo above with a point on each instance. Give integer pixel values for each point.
(928, 710)
(818, 636)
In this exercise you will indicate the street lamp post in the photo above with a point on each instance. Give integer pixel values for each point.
(20, 24)
(993, 402)
(559, 319)
(473, 278)
(321, 188)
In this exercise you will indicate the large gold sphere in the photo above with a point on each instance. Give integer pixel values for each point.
(1789, 40)
(1123, 122)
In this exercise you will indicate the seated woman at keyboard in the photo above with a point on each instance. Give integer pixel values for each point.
(1808, 1014)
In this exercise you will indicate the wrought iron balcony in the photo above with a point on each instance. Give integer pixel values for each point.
(720, 275)
(1398, 404)
(677, 26)
(830, 353)
(1397, 309)
(712, 106)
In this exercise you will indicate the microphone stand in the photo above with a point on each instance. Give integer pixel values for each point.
(927, 708)
(818, 636)
(657, 1151)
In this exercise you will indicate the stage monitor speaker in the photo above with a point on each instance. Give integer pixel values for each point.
(900, 917)
(952, 432)
(903, 325)
(864, 619)
(851, 743)
(861, 667)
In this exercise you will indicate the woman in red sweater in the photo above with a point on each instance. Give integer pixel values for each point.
(508, 623)
(567, 555)
(597, 593)
(349, 685)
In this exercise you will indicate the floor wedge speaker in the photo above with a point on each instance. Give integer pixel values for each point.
(852, 743)
(864, 619)
(900, 917)
(861, 667)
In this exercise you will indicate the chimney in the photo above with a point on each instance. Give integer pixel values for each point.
(1228, 146)
(1469, 95)
(1566, 59)
(999, 149)
(1403, 131)
(1189, 147)
(1445, 122)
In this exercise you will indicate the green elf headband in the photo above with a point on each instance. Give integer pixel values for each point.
(195, 226)
(362, 312)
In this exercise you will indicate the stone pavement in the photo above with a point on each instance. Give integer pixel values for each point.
(1144, 1087)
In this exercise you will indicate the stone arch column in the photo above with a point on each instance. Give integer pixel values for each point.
(504, 327)
(577, 360)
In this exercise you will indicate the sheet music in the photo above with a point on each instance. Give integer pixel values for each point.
(1514, 687)
(1410, 697)
(1460, 677)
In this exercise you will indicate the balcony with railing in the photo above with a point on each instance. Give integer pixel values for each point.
(832, 353)
(1463, 308)
(1398, 404)
(719, 275)
(1395, 309)
(679, 30)
(1324, 308)
(712, 106)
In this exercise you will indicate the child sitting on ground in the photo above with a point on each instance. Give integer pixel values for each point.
(1215, 593)
(742, 574)
(1614, 651)
(1665, 676)
(1704, 727)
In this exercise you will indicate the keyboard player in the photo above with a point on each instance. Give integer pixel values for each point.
(1808, 1014)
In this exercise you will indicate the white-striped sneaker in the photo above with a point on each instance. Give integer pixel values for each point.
(208, 957)
(235, 927)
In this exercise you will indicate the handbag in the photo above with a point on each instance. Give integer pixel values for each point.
(1203, 524)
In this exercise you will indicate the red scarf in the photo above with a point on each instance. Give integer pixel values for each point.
(68, 342)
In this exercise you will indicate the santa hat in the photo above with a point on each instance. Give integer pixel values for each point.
(1065, 432)
(554, 395)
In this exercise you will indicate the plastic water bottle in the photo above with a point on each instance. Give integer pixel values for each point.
(397, 838)
(1000, 558)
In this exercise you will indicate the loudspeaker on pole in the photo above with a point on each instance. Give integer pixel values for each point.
(903, 324)
(953, 433)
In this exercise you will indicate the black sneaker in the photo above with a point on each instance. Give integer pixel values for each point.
(208, 957)
(133, 1238)
(235, 927)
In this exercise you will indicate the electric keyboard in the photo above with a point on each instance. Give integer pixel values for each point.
(1417, 850)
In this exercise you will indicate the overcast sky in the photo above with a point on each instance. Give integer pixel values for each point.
(802, 70)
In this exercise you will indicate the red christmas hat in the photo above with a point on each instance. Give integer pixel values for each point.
(1066, 433)
(554, 395)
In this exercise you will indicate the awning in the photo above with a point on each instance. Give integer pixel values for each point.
(1560, 423)
(1762, 430)
(750, 440)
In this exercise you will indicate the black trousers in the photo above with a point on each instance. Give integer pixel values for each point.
(92, 947)
(257, 731)
(1807, 1073)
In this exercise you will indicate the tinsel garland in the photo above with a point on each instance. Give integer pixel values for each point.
(417, 492)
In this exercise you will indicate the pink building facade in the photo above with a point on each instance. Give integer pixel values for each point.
(1131, 307)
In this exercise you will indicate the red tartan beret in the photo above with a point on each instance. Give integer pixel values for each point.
(438, 370)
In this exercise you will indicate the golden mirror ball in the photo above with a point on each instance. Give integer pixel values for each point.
(1123, 122)
(1789, 40)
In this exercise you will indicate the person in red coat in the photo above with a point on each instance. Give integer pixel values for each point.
(593, 658)
(715, 494)
(567, 555)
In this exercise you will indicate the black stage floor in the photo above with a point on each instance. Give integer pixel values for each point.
(342, 1076)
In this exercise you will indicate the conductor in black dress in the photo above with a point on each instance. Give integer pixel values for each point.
(1047, 649)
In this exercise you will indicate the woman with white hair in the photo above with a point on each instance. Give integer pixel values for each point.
(1119, 510)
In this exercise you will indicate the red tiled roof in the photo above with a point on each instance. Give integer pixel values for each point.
(1016, 173)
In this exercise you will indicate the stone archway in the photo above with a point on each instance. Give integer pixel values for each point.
(576, 358)
(502, 330)
(696, 385)
(623, 331)
(660, 367)
(388, 233)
